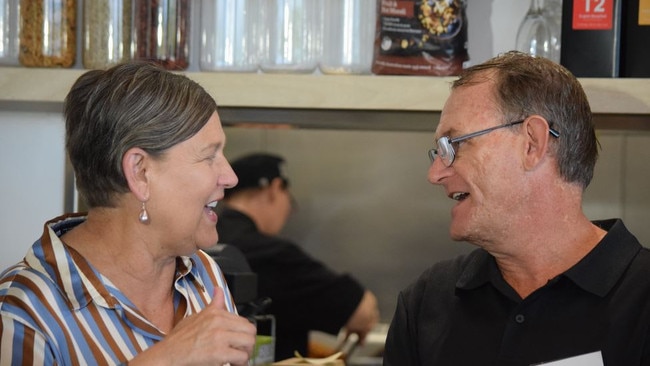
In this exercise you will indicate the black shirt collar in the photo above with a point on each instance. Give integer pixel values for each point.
(597, 272)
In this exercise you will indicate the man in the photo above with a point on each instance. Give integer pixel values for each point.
(306, 295)
(516, 148)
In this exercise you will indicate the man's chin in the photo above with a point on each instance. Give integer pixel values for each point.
(458, 234)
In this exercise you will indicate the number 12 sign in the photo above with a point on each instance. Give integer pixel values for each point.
(593, 14)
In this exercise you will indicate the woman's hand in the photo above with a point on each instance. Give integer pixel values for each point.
(212, 337)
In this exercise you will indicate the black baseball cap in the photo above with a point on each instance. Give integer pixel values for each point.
(257, 170)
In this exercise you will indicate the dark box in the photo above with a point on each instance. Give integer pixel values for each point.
(591, 37)
(635, 44)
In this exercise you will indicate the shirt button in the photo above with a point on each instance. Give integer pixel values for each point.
(519, 318)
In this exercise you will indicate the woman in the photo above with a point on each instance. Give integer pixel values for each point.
(128, 282)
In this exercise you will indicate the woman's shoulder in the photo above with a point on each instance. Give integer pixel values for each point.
(22, 280)
(27, 294)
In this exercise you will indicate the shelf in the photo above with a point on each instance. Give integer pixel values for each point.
(329, 101)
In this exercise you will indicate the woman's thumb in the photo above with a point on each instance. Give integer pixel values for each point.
(218, 298)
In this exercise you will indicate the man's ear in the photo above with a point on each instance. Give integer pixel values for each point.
(135, 164)
(537, 140)
(275, 187)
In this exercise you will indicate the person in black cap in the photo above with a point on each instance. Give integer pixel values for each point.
(306, 295)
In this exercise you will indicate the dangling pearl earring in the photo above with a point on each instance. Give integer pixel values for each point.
(144, 215)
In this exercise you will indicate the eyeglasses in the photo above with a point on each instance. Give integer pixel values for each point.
(446, 150)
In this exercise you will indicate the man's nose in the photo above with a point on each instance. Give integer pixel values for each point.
(437, 171)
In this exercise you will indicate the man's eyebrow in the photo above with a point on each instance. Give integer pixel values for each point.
(448, 132)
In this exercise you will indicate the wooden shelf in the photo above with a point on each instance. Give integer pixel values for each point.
(329, 101)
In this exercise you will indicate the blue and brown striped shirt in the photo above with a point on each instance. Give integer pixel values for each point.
(56, 309)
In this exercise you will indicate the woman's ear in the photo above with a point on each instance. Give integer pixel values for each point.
(135, 164)
(537, 134)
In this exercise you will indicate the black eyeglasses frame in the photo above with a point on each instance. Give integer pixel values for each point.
(449, 154)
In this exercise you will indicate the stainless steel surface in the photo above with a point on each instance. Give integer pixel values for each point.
(364, 204)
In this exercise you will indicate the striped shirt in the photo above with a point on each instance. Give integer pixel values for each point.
(56, 309)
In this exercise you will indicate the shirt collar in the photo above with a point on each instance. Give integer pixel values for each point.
(597, 272)
(479, 269)
(74, 276)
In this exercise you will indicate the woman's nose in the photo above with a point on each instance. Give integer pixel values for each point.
(228, 178)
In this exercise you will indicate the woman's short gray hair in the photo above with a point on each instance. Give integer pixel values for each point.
(136, 104)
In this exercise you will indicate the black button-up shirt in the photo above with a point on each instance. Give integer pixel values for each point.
(462, 312)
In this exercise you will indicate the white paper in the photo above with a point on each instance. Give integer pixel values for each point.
(588, 359)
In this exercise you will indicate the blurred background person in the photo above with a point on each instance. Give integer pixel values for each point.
(128, 282)
(306, 295)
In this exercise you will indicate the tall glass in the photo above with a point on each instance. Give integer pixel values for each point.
(161, 30)
(291, 39)
(534, 34)
(106, 32)
(552, 12)
(348, 36)
(230, 35)
(9, 32)
(47, 33)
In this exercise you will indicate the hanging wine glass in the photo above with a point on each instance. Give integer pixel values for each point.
(552, 11)
(534, 34)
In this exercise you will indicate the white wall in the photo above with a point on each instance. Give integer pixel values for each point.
(32, 164)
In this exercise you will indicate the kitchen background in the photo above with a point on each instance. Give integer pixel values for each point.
(365, 206)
